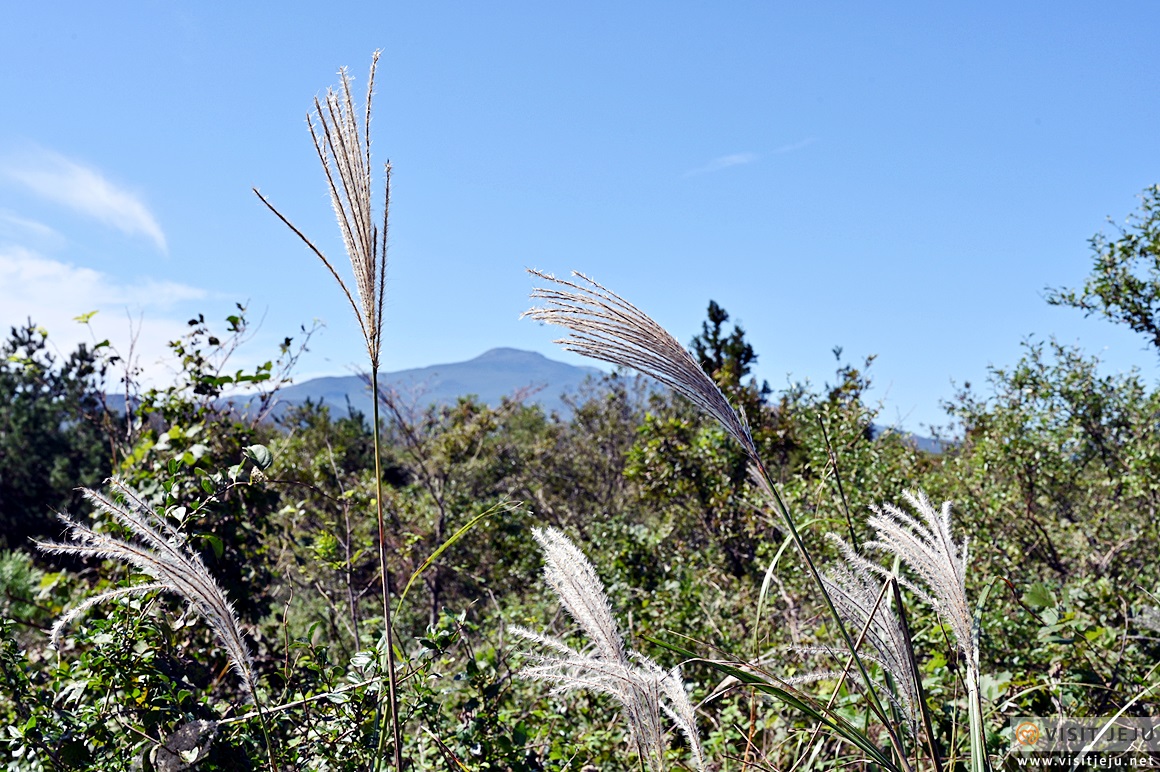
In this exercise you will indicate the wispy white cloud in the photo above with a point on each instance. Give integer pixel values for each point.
(85, 190)
(795, 146)
(724, 162)
(53, 293)
(16, 227)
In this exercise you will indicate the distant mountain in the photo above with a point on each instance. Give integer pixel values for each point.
(491, 376)
(930, 445)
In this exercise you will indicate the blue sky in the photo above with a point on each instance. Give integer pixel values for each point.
(899, 179)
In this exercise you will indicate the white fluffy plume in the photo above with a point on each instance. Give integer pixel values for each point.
(159, 550)
(607, 327)
(925, 545)
(643, 688)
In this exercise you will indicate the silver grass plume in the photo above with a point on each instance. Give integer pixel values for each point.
(857, 595)
(161, 551)
(607, 327)
(1149, 617)
(925, 545)
(342, 140)
(643, 688)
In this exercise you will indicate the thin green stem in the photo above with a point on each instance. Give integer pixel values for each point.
(974, 697)
(390, 647)
(845, 671)
(299, 703)
(931, 741)
(265, 726)
(975, 714)
(838, 479)
(875, 704)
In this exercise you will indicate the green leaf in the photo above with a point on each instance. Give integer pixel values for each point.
(214, 543)
(1038, 596)
(260, 455)
(85, 318)
(362, 659)
(830, 718)
(501, 507)
(992, 687)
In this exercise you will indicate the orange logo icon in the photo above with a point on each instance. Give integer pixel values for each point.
(1027, 733)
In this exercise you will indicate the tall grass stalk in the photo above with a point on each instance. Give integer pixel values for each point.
(342, 140)
(870, 618)
(859, 601)
(606, 327)
(761, 476)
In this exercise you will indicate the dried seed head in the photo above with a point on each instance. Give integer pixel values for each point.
(342, 140)
(607, 327)
(643, 688)
(160, 551)
(925, 545)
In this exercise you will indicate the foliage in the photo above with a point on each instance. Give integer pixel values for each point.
(1054, 470)
(726, 358)
(53, 431)
(1124, 284)
(189, 452)
(1065, 461)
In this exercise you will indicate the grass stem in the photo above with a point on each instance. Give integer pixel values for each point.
(389, 663)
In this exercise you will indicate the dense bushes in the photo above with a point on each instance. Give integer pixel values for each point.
(53, 430)
(1052, 478)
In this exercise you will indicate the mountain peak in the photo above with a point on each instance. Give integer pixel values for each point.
(505, 354)
(491, 376)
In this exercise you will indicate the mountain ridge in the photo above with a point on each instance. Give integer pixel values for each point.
(491, 376)
(496, 373)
